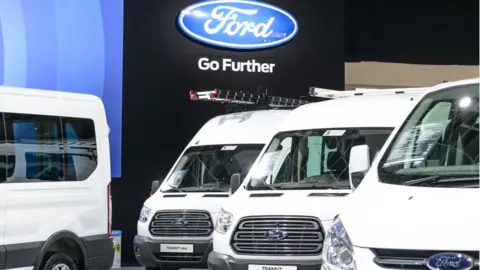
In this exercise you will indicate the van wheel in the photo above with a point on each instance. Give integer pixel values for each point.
(60, 261)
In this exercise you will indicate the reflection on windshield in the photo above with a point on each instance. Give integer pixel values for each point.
(313, 159)
(440, 139)
(209, 168)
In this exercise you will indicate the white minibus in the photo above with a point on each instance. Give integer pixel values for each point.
(55, 204)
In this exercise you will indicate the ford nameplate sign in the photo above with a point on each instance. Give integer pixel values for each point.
(238, 24)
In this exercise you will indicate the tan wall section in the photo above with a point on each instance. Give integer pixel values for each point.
(387, 75)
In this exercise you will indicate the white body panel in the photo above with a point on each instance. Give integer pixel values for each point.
(34, 211)
(353, 112)
(251, 127)
(398, 217)
(407, 204)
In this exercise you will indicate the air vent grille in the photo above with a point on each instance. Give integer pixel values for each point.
(278, 236)
(187, 223)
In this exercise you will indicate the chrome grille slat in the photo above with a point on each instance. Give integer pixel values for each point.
(199, 224)
(304, 236)
(207, 224)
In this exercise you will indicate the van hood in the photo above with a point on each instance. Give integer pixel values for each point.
(210, 202)
(407, 217)
(322, 204)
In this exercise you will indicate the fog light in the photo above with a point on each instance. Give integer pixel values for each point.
(346, 256)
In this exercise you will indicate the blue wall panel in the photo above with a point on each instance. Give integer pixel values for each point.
(70, 46)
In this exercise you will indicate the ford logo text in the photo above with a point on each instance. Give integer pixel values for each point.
(238, 24)
(276, 235)
(179, 223)
(450, 261)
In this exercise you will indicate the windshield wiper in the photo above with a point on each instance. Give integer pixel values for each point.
(322, 187)
(439, 179)
(296, 185)
(429, 179)
(205, 188)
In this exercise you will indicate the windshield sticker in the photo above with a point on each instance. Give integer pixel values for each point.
(273, 161)
(265, 167)
(229, 148)
(269, 161)
(176, 178)
(334, 132)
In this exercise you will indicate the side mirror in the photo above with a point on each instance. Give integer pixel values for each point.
(359, 164)
(235, 182)
(155, 187)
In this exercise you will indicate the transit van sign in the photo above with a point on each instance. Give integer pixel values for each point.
(238, 24)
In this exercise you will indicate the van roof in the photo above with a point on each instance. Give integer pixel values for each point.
(11, 90)
(357, 111)
(250, 127)
(442, 86)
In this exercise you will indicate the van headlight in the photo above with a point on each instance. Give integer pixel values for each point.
(144, 214)
(224, 221)
(338, 249)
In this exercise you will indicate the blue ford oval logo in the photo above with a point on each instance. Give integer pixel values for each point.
(179, 222)
(276, 235)
(450, 261)
(238, 24)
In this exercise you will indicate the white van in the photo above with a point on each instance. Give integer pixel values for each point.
(176, 223)
(54, 181)
(278, 217)
(417, 207)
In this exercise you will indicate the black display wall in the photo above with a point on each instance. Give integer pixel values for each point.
(414, 32)
(160, 66)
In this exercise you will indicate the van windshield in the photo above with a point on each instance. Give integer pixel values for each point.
(209, 168)
(438, 143)
(313, 159)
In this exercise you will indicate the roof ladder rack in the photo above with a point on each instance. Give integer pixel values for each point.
(334, 94)
(246, 101)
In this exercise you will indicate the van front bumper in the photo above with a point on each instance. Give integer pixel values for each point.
(149, 253)
(217, 261)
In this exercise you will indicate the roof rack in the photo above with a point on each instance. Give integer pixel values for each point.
(241, 101)
(334, 94)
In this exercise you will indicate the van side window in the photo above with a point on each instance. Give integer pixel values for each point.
(36, 144)
(4, 165)
(80, 148)
(49, 148)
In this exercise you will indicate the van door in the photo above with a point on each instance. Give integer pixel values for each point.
(4, 169)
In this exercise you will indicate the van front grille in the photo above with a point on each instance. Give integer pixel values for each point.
(180, 223)
(278, 236)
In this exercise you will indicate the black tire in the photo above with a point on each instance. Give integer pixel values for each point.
(57, 259)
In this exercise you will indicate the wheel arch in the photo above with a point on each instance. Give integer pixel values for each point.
(55, 238)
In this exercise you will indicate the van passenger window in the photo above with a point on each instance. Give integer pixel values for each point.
(36, 144)
(80, 148)
(48, 148)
